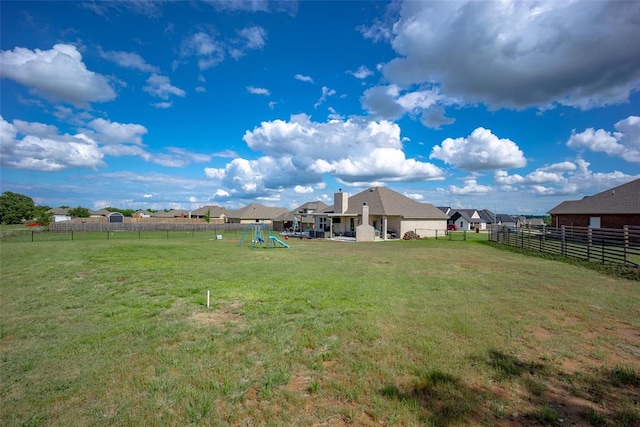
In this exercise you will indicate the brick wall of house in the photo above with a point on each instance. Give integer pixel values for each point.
(606, 221)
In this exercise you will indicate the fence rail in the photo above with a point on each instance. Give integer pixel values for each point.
(604, 245)
(68, 226)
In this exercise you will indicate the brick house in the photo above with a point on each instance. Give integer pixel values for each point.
(613, 208)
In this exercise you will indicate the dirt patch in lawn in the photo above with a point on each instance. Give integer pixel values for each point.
(225, 315)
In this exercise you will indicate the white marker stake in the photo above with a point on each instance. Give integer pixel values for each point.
(208, 298)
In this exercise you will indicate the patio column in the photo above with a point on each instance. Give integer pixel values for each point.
(384, 228)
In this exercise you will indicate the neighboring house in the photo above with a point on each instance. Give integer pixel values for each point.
(523, 221)
(467, 219)
(254, 213)
(217, 214)
(173, 213)
(299, 218)
(383, 209)
(487, 216)
(506, 220)
(101, 213)
(60, 214)
(613, 208)
(141, 214)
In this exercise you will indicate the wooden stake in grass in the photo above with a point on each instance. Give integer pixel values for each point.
(208, 298)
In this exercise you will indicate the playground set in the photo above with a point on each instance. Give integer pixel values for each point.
(261, 236)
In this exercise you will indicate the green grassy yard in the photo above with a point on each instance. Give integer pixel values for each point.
(428, 332)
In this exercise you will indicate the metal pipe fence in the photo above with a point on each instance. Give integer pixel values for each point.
(604, 245)
(107, 231)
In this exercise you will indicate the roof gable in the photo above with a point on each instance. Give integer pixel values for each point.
(467, 214)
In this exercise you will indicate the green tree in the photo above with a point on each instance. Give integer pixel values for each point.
(207, 217)
(125, 212)
(79, 212)
(15, 208)
(42, 215)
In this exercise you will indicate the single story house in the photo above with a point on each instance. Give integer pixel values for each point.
(217, 214)
(613, 208)
(487, 216)
(60, 214)
(173, 213)
(378, 212)
(300, 218)
(467, 219)
(523, 221)
(506, 220)
(141, 214)
(100, 213)
(254, 213)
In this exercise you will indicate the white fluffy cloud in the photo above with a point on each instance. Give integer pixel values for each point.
(303, 189)
(44, 149)
(37, 146)
(299, 152)
(481, 150)
(564, 178)
(517, 54)
(58, 74)
(471, 187)
(161, 87)
(624, 142)
(108, 132)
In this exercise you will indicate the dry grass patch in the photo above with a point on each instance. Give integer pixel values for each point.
(223, 315)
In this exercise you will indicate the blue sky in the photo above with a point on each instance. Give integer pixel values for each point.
(509, 106)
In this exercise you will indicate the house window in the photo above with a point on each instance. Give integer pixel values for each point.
(594, 222)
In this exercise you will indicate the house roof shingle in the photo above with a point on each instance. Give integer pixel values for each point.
(623, 199)
(256, 211)
(384, 201)
(214, 211)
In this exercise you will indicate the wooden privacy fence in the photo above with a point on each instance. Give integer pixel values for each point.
(605, 245)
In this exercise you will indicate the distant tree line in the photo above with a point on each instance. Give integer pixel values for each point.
(16, 208)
